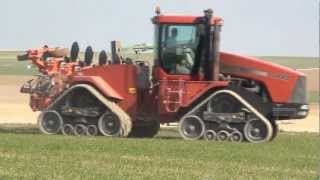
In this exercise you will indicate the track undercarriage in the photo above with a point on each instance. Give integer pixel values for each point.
(84, 111)
(225, 115)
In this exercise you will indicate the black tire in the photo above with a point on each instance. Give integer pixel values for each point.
(236, 136)
(255, 131)
(148, 130)
(92, 130)
(210, 135)
(191, 127)
(80, 130)
(67, 130)
(223, 135)
(50, 122)
(109, 125)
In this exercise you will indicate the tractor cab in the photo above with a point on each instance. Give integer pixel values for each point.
(186, 58)
(185, 46)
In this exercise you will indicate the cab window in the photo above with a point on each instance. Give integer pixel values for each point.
(177, 48)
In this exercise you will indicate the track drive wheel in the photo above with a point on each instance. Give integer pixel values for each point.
(255, 131)
(191, 127)
(109, 125)
(50, 122)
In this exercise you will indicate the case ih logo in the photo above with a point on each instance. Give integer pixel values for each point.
(236, 69)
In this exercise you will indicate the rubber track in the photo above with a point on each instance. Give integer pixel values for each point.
(125, 119)
(244, 102)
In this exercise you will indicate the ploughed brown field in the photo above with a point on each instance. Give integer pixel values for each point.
(14, 107)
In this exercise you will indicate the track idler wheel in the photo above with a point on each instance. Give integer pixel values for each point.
(191, 127)
(68, 129)
(223, 135)
(236, 136)
(50, 122)
(210, 135)
(255, 131)
(92, 130)
(109, 124)
(80, 130)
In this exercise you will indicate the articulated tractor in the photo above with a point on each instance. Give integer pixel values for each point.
(212, 94)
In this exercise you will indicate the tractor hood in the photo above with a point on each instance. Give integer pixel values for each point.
(284, 85)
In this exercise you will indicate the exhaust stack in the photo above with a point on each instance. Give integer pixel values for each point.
(212, 44)
(216, 52)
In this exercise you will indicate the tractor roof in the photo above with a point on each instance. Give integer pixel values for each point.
(178, 19)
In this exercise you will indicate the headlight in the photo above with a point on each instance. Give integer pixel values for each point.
(304, 107)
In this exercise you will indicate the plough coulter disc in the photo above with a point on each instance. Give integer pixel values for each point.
(74, 53)
(103, 57)
(88, 56)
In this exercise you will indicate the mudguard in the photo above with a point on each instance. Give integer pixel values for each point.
(100, 84)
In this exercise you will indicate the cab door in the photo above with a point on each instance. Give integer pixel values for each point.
(176, 60)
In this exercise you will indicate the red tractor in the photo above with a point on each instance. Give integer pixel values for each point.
(212, 94)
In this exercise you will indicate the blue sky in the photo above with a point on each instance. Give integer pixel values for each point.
(269, 27)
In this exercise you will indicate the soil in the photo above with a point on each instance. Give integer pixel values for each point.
(312, 78)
